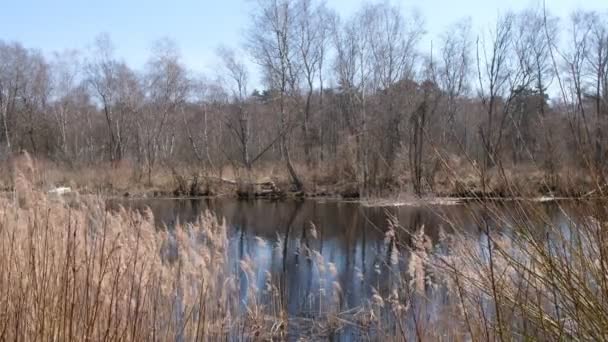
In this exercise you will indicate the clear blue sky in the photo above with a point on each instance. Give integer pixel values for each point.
(199, 27)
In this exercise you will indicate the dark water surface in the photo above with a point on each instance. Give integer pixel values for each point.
(350, 243)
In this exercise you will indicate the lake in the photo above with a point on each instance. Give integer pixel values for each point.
(336, 255)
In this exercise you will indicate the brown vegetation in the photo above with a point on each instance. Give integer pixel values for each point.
(72, 270)
(352, 106)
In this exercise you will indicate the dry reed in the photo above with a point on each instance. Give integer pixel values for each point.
(72, 270)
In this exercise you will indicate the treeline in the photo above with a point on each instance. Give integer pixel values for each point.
(362, 98)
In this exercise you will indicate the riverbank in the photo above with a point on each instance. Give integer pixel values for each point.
(271, 182)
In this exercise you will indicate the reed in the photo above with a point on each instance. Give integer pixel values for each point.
(519, 276)
(70, 269)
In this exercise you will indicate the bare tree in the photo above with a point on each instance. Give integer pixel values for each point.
(352, 72)
(312, 31)
(205, 93)
(272, 45)
(453, 71)
(25, 85)
(238, 120)
(13, 64)
(66, 72)
(356, 98)
(494, 81)
(392, 53)
(107, 77)
(529, 111)
(597, 65)
(167, 88)
(34, 97)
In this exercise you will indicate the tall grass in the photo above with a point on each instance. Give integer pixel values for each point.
(520, 276)
(540, 279)
(72, 270)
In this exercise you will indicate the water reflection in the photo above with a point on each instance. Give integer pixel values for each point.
(331, 254)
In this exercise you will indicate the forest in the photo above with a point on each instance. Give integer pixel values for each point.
(367, 105)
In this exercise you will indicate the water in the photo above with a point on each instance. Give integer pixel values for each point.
(346, 257)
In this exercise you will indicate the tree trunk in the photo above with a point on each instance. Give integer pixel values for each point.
(297, 183)
(6, 133)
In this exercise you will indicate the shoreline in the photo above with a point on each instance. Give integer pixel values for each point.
(365, 202)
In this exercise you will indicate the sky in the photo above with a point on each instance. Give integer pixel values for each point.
(199, 27)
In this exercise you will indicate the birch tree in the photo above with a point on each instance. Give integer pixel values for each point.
(271, 41)
(167, 87)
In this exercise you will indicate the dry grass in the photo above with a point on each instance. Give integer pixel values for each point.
(522, 276)
(75, 271)
(72, 270)
(454, 177)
